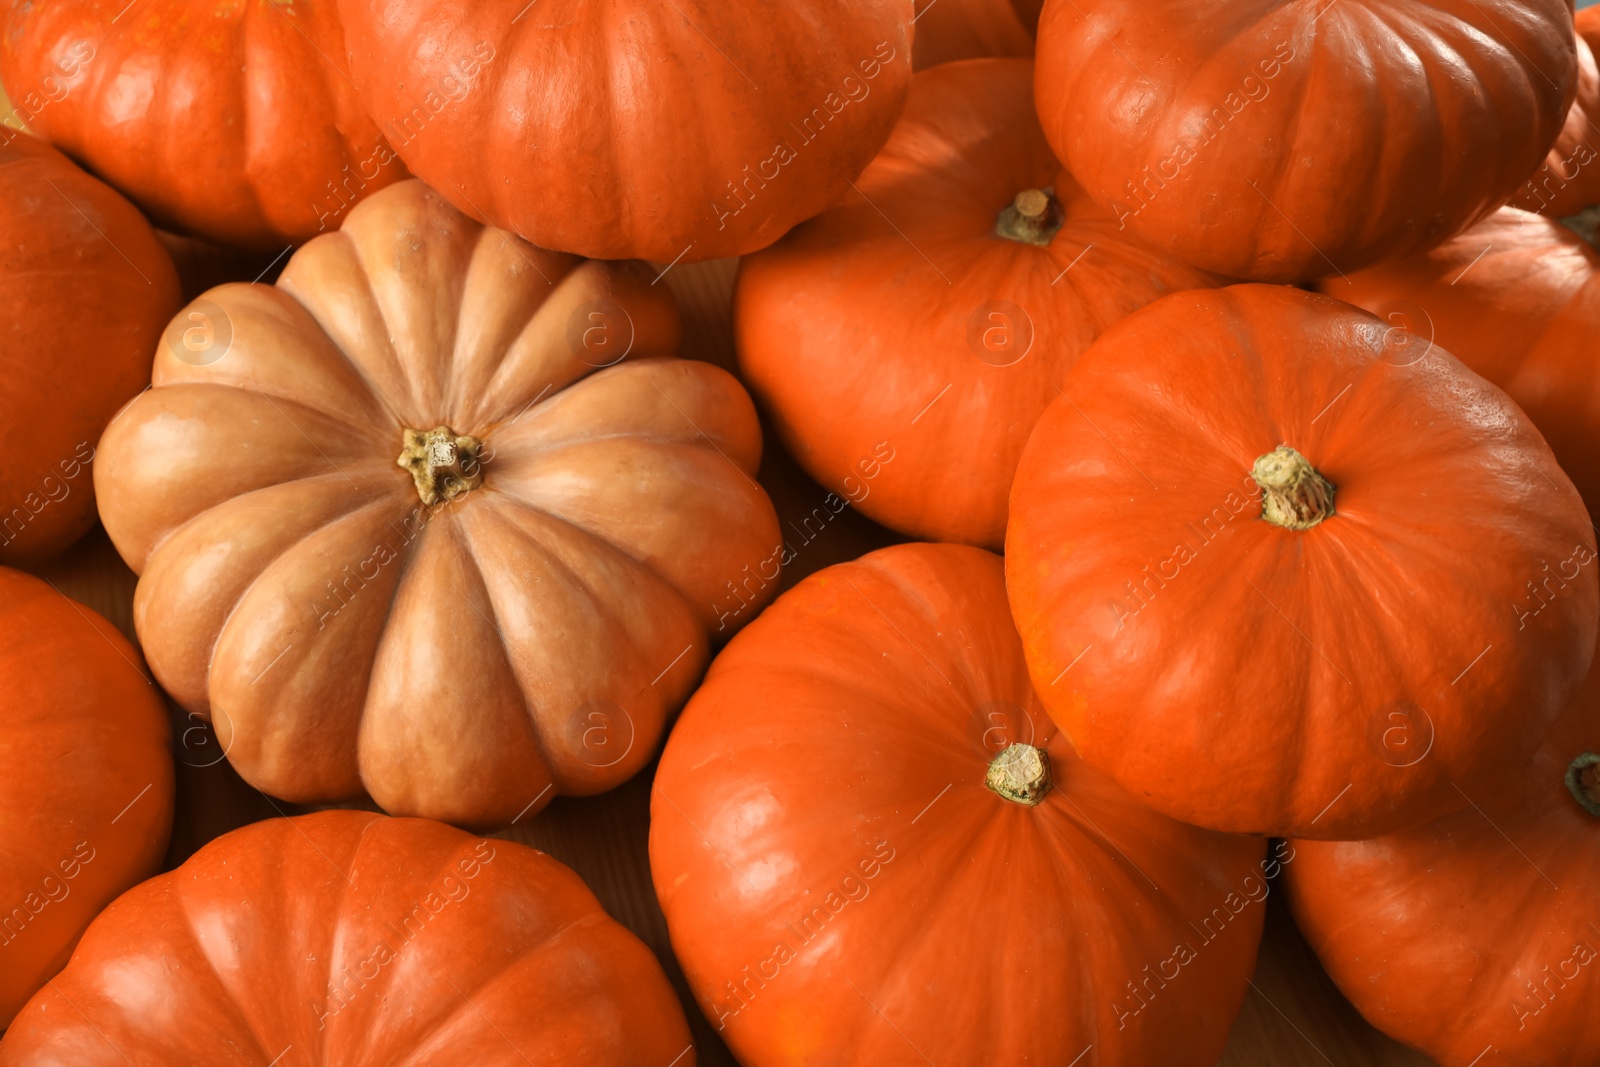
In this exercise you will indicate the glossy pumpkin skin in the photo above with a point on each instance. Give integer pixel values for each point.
(633, 129)
(1517, 299)
(467, 659)
(948, 30)
(85, 289)
(1328, 682)
(836, 874)
(85, 778)
(356, 940)
(1569, 178)
(1476, 932)
(904, 361)
(235, 122)
(1227, 134)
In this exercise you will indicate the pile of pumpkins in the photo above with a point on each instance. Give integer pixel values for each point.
(1261, 338)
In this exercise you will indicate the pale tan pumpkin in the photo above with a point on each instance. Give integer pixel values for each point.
(509, 616)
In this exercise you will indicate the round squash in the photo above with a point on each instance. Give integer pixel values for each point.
(947, 30)
(85, 778)
(1569, 178)
(408, 522)
(85, 288)
(671, 132)
(906, 340)
(1281, 569)
(1282, 140)
(870, 842)
(236, 122)
(356, 940)
(1474, 938)
(1517, 299)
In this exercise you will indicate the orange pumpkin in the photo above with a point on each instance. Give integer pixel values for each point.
(236, 122)
(1281, 141)
(85, 778)
(356, 940)
(947, 30)
(671, 132)
(1516, 298)
(1569, 178)
(1282, 569)
(435, 517)
(872, 846)
(85, 288)
(1475, 938)
(906, 340)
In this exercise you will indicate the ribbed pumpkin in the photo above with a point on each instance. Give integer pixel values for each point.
(1280, 568)
(1284, 140)
(1569, 178)
(85, 288)
(906, 340)
(236, 121)
(1516, 298)
(347, 939)
(1476, 938)
(434, 518)
(619, 128)
(872, 846)
(85, 778)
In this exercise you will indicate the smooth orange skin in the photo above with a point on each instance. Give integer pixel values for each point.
(835, 759)
(235, 122)
(1477, 931)
(948, 30)
(1331, 682)
(1569, 178)
(85, 288)
(861, 348)
(85, 778)
(620, 128)
(472, 660)
(356, 940)
(1517, 299)
(1350, 132)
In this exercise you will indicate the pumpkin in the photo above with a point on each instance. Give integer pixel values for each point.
(357, 940)
(1569, 178)
(626, 128)
(85, 289)
(85, 778)
(1474, 938)
(408, 522)
(1284, 141)
(1516, 298)
(906, 340)
(948, 30)
(235, 122)
(1281, 569)
(870, 842)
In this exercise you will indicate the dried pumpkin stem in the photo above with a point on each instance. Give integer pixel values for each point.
(442, 463)
(1583, 778)
(1020, 773)
(1032, 218)
(1293, 494)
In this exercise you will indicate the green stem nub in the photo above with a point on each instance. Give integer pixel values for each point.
(1583, 778)
(443, 464)
(1021, 773)
(1293, 494)
(1032, 218)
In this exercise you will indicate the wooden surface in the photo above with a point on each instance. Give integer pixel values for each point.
(1292, 1015)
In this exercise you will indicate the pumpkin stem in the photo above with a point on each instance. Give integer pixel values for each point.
(1585, 224)
(442, 464)
(1583, 778)
(1032, 218)
(1020, 773)
(1293, 494)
